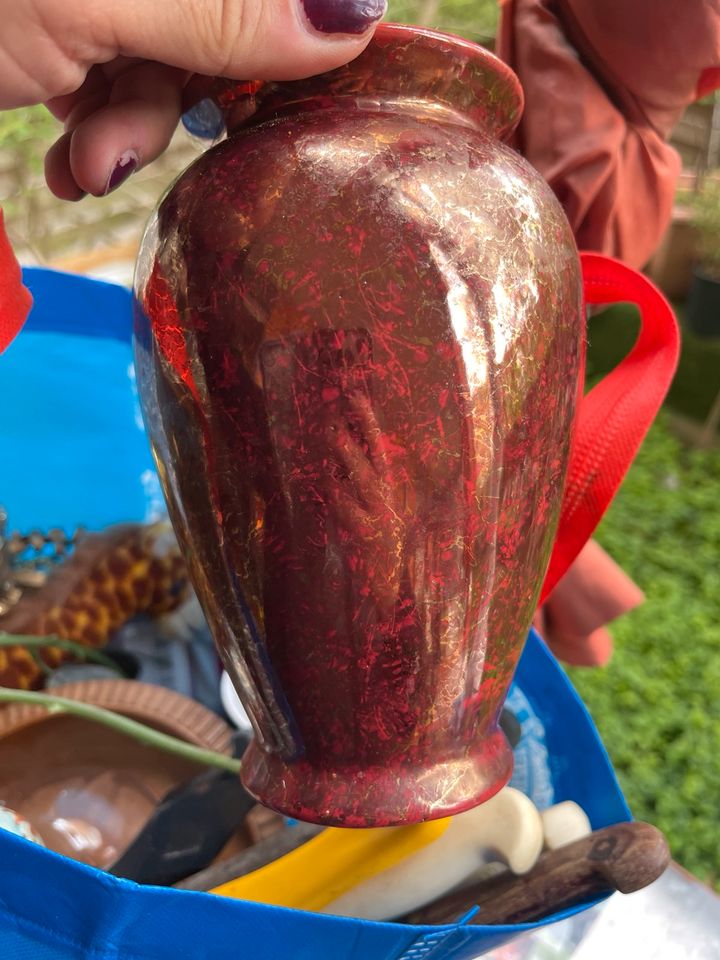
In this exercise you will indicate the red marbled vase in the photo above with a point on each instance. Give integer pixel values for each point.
(359, 336)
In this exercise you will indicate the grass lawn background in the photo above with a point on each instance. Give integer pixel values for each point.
(657, 703)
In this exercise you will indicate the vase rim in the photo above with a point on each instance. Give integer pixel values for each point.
(475, 53)
(400, 59)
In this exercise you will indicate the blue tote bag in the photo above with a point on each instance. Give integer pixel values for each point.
(75, 454)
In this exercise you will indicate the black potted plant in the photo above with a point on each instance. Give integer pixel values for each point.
(703, 306)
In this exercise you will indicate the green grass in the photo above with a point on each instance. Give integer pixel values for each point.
(657, 704)
(474, 19)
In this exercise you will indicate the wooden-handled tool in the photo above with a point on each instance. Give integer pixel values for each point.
(382, 873)
(625, 857)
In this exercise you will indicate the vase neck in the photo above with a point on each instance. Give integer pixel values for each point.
(402, 68)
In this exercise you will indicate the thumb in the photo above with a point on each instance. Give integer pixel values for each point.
(241, 39)
(125, 113)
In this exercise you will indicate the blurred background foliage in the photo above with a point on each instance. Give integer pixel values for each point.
(658, 702)
(474, 19)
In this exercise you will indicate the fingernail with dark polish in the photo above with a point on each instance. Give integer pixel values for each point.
(127, 164)
(344, 16)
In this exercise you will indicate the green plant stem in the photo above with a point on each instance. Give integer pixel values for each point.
(83, 653)
(131, 728)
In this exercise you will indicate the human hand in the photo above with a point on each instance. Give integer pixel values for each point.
(118, 75)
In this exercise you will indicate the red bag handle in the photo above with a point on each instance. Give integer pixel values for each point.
(15, 299)
(615, 415)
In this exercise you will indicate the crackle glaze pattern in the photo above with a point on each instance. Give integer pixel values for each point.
(359, 334)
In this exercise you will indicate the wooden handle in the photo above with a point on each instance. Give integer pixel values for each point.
(272, 848)
(624, 857)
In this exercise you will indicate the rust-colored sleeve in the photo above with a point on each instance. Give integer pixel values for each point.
(605, 81)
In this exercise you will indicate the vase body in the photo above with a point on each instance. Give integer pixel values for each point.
(359, 332)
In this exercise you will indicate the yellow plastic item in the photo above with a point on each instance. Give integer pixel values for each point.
(330, 864)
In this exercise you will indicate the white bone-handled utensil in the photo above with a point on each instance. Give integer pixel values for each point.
(507, 829)
(563, 823)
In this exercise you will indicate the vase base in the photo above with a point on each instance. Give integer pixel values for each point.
(377, 796)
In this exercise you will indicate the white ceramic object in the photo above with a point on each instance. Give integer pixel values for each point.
(232, 705)
(564, 823)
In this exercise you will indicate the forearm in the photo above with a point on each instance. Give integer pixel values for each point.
(604, 83)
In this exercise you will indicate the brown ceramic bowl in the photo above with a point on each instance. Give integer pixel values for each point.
(87, 790)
